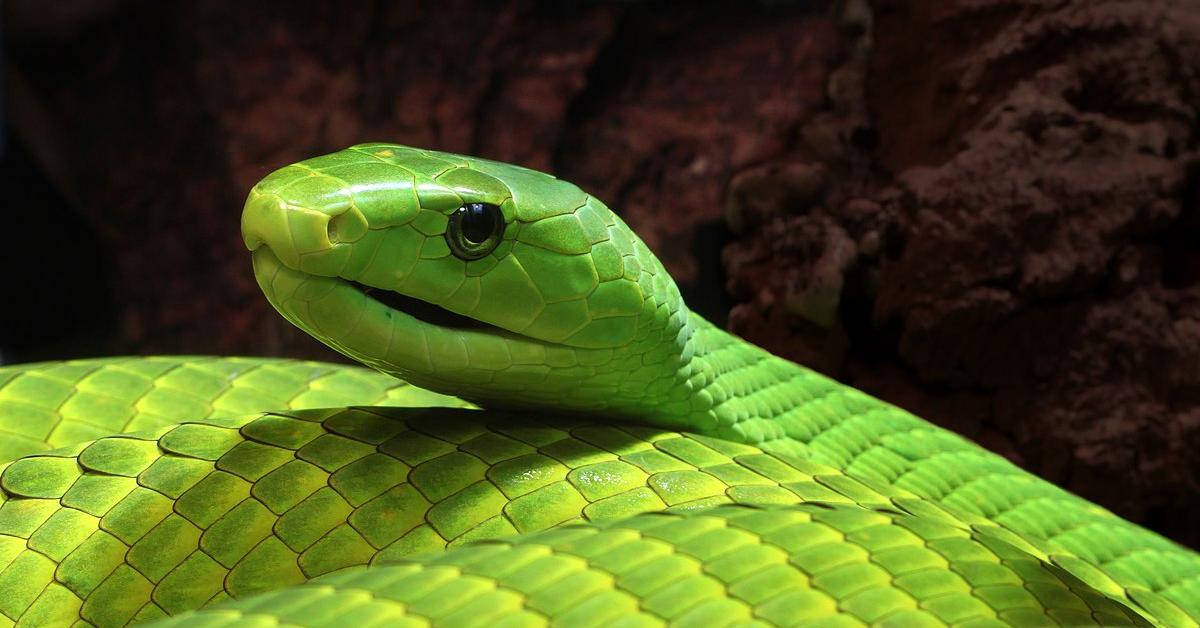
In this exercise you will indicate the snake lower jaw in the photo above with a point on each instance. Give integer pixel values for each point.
(469, 361)
(422, 310)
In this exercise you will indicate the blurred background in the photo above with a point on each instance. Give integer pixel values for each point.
(985, 211)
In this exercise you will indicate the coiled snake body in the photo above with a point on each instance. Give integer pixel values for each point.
(634, 465)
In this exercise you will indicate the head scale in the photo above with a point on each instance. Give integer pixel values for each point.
(562, 294)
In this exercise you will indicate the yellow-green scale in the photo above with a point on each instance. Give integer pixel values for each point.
(864, 513)
(762, 400)
(732, 565)
(204, 510)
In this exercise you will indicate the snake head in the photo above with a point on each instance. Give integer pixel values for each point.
(467, 276)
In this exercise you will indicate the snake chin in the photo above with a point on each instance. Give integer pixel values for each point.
(422, 310)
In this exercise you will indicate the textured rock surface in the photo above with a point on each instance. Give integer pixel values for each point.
(983, 210)
(1023, 264)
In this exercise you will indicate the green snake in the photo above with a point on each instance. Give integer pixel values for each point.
(631, 465)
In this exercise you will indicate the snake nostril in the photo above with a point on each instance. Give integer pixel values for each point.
(346, 227)
(332, 230)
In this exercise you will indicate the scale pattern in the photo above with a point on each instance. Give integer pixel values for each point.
(55, 404)
(132, 528)
(728, 566)
(672, 369)
(829, 505)
(788, 408)
(590, 306)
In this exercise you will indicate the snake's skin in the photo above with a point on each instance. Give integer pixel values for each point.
(634, 465)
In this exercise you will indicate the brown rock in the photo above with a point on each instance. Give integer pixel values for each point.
(1026, 269)
(1050, 188)
(758, 193)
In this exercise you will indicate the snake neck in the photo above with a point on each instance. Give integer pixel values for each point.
(731, 389)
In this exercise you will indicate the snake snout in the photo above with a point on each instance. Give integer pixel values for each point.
(292, 232)
(268, 221)
(258, 218)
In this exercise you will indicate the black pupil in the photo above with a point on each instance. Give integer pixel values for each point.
(478, 222)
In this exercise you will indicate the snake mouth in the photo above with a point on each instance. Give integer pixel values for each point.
(412, 339)
(423, 311)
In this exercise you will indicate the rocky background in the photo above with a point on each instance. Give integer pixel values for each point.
(985, 211)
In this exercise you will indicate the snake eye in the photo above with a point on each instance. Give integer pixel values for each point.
(474, 230)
